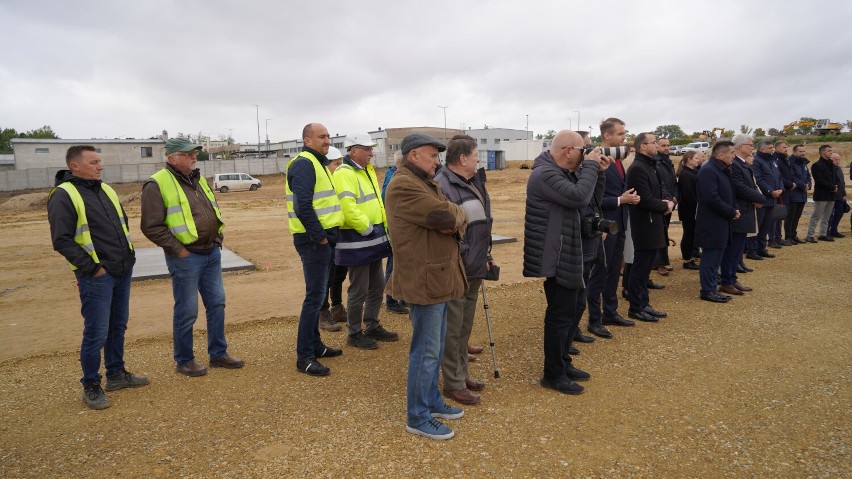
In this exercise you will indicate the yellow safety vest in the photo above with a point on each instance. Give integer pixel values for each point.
(325, 202)
(82, 236)
(178, 212)
(360, 198)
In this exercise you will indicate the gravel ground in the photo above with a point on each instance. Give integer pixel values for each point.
(756, 388)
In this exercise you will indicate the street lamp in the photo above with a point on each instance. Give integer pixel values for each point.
(578, 118)
(445, 121)
(257, 115)
(267, 134)
(527, 138)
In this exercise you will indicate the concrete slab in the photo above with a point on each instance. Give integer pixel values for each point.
(151, 263)
(501, 239)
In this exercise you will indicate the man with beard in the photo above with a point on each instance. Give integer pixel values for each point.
(784, 164)
(666, 170)
(800, 176)
(825, 186)
(769, 181)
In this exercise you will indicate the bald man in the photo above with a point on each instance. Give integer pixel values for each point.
(562, 183)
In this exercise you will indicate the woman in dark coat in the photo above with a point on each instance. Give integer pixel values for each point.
(687, 180)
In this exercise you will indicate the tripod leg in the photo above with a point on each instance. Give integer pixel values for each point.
(488, 326)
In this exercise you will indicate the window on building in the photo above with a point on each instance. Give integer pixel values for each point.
(147, 151)
(484, 141)
(338, 145)
(42, 150)
(496, 141)
(505, 139)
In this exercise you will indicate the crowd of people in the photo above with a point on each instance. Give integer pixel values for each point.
(421, 243)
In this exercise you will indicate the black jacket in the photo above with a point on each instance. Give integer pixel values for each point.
(646, 217)
(825, 180)
(108, 237)
(615, 184)
(785, 167)
(687, 190)
(747, 195)
(668, 179)
(716, 205)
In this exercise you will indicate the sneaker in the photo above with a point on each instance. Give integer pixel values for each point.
(327, 322)
(312, 367)
(95, 397)
(433, 429)
(448, 412)
(381, 334)
(397, 308)
(361, 341)
(125, 379)
(564, 385)
(338, 312)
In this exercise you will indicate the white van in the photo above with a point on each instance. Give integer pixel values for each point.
(225, 182)
(701, 146)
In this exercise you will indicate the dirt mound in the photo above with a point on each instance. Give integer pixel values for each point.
(132, 198)
(25, 203)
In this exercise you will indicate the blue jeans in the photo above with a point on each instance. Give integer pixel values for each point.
(711, 259)
(197, 273)
(105, 306)
(429, 327)
(315, 260)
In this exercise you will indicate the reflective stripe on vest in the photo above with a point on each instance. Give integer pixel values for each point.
(82, 236)
(178, 212)
(325, 202)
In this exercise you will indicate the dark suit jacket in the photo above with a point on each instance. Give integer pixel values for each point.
(824, 180)
(615, 185)
(745, 189)
(666, 171)
(646, 218)
(768, 177)
(716, 206)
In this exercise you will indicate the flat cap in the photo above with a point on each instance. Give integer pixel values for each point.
(416, 140)
(175, 145)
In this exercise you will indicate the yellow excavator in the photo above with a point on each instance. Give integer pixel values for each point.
(711, 134)
(821, 127)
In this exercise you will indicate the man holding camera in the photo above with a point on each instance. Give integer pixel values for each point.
(558, 188)
(603, 283)
(647, 228)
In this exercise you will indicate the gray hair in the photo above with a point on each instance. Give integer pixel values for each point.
(742, 139)
(763, 143)
(397, 155)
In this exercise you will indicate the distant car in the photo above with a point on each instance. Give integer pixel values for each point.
(701, 146)
(676, 150)
(225, 182)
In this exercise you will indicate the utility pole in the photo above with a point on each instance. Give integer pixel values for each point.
(257, 114)
(230, 137)
(527, 139)
(578, 119)
(267, 135)
(445, 122)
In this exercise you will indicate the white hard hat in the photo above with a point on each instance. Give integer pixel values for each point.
(333, 154)
(359, 139)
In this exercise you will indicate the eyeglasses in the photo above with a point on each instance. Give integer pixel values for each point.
(188, 153)
(649, 143)
(573, 148)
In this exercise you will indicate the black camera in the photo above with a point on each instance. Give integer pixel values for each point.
(615, 152)
(594, 224)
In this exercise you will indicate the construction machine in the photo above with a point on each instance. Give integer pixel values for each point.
(710, 135)
(826, 127)
(797, 124)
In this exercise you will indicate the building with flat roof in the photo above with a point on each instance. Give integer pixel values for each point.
(50, 153)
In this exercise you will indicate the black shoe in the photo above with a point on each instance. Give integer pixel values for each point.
(754, 256)
(796, 239)
(582, 338)
(397, 308)
(94, 396)
(765, 254)
(741, 269)
(746, 268)
(775, 245)
(327, 352)
(825, 238)
(124, 379)
(564, 385)
(573, 351)
(715, 297)
(381, 334)
(361, 341)
(599, 330)
(653, 285)
(810, 239)
(576, 374)
(654, 312)
(691, 265)
(837, 234)
(312, 367)
(642, 316)
(617, 320)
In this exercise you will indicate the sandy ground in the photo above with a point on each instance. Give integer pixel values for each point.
(756, 388)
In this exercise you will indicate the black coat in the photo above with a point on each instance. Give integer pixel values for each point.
(768, 177)
(785, 167)
(802, 178)
(666, 170)
(841, 184)
(824, 180)
(747, 194)
(615, 185)
(716, 206)
(687, 190)
(646, 217)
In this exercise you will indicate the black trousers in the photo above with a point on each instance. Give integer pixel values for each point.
(336, 277)
(687, 241)
(637, 284)
(662, 258)
(791, 222)
(602, 286)
(560, 326)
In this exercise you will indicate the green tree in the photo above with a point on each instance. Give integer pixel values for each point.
(550, 134)
(203, 156)
(745, 129)
(45, 132)
(728, 133)
(759, 133)
(774, 132)
(669, 131)
(7, 134)
(807, 128)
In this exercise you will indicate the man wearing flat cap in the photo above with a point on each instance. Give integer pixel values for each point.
(180, 215)
(425, 231)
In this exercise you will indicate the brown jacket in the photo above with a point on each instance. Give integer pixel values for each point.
(427, 264)
(154, 216)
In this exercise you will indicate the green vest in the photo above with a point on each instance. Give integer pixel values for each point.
(82, 236)
(358, 191)
(325, 202)
(178, 212)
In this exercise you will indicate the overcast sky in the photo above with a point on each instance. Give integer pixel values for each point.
(108, 69)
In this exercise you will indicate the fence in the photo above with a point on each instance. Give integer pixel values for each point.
(11, 180)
